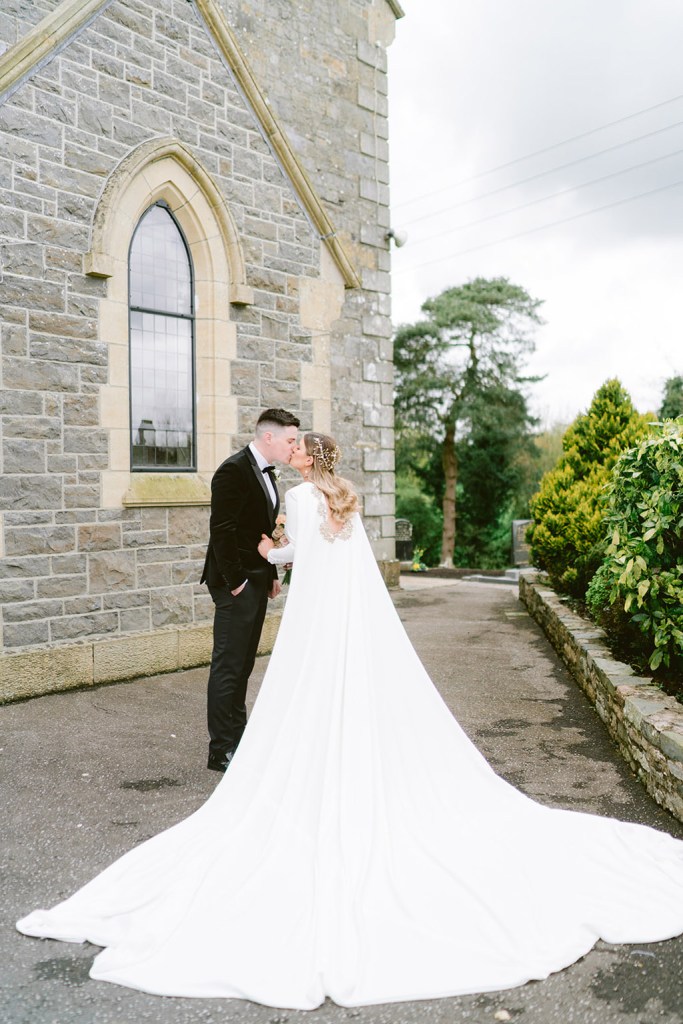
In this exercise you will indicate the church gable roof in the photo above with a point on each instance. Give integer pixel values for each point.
(59, 28)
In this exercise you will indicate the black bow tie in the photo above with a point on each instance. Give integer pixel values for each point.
(268, 469)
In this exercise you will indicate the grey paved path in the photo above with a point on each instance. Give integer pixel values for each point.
(86, 775)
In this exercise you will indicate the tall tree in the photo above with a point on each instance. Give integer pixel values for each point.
(672, 401)
(473, 341)
(491, 472)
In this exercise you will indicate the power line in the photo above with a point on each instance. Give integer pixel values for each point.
(541, 227)
(544, 199)
(540, 152)
(544, 174)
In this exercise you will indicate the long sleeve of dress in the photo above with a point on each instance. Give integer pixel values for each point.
(282, 555)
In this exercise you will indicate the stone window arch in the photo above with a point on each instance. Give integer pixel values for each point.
(164, 171)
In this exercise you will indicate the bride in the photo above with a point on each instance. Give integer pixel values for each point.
(353, 848)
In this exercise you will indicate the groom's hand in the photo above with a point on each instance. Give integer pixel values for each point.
(275, 589)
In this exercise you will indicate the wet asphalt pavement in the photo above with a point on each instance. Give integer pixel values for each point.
(86, 775)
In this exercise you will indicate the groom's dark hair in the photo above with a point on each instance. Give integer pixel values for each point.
(276, 418)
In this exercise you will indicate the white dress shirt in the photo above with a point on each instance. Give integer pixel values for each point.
(262, 462)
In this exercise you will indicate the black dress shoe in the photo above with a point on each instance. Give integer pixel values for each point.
(219, 762)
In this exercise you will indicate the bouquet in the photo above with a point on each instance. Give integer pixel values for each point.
(280, 541)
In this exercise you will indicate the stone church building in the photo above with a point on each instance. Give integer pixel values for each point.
(193, 226)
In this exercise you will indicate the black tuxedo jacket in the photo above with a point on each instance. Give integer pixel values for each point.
(241, 510)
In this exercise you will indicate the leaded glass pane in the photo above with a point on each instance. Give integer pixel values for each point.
(161, 391)
(161, 346)
(160, 277)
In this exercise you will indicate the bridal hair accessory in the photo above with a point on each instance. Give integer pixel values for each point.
(329, 457)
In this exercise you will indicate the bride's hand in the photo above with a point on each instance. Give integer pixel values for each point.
(265, 545)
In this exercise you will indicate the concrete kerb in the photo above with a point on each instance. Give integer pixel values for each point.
(646, 724)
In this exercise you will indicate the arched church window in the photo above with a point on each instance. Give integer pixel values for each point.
(162, 389)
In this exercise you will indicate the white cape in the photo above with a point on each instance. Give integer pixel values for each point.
(359, 847)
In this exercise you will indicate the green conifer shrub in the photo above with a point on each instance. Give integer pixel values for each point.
(642, 574)
(567, 536)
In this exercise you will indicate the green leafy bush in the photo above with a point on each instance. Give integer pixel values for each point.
(625, 638)
(567, 536)
(644, 562)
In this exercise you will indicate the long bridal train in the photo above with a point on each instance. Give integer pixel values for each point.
(359, 847)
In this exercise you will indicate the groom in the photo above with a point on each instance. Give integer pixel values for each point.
(244, 504)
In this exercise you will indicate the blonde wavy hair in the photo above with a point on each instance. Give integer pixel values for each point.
(326, 453)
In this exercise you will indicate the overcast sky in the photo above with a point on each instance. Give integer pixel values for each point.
(479, 84)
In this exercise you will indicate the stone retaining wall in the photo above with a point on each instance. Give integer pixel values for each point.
(646, 724)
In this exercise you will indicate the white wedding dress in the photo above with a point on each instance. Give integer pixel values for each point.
(359, 847)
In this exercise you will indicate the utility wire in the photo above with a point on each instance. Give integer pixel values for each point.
(540, 152)
(541, 227)
(544, 174)
(544, 199)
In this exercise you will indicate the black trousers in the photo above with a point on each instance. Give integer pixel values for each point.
(237, 626)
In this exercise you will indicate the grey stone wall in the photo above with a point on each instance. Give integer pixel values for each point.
(71, 569)
(78, 573)
(327, 82)
(646, 724)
